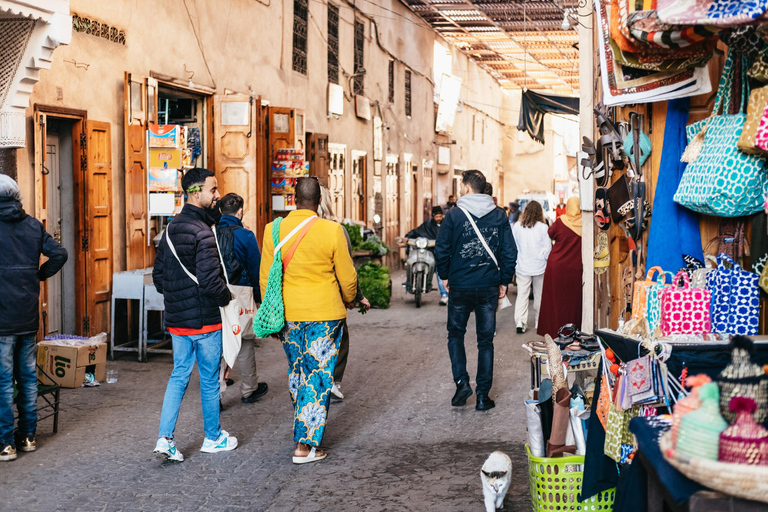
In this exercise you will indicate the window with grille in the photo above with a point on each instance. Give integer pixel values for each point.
(408, 92)
(359, 87)
(333, 44)
(300, 14)
(391, 81)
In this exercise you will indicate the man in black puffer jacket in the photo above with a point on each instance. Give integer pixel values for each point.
(192, 312)
(24, 239)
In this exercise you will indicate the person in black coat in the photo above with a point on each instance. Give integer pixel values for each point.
(24, 239)
(429, 230)
(189, 274)
(477, 274)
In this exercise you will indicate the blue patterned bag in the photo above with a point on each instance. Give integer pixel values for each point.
(653, 292)
(722, 180)
(735, 305)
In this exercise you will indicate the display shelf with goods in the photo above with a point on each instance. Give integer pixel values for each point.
(288, 166)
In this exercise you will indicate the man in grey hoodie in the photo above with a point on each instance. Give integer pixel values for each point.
(477, 277)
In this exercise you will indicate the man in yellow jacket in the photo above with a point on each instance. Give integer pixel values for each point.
(319, 280)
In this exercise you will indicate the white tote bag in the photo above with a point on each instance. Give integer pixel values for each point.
(231, 330)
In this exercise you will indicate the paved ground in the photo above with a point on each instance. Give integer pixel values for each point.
(394, 444)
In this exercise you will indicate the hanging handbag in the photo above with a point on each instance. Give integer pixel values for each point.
(640, 295)
(699, 276)
(270, 317)
(231, 331)
(620, 198)
(685, 310)
(719, 13)
(721, 180)
(759, 69)
(654, 292)
(756, 110)
(617, 434)
(735, 298)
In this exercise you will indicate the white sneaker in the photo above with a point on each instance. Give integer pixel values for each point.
(166, 448)
(224, 443)
(444, 300)
(336, 391)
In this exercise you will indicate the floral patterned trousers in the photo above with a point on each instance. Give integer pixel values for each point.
(312, 349)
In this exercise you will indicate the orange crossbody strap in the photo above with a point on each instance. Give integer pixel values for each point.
(289, 255)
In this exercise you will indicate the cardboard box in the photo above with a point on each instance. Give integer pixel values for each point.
(67, 365)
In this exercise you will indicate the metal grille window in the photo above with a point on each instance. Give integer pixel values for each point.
(408, 92)
(333, 44)
(391, 81)
(359, 87)
(300, 13)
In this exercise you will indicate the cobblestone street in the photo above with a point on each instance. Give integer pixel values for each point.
(395, 443)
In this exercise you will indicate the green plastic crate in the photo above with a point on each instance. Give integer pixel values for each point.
(556, 485)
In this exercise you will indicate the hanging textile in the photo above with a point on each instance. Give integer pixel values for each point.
(533, 107)
(669, 217)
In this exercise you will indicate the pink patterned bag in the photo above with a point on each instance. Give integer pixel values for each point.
(685, 310)
(761, 137)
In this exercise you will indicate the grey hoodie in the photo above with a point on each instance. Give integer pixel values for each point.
(478, 205)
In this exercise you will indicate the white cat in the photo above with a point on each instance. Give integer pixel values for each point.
(496, 475)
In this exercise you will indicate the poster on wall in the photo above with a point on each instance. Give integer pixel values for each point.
(164, 165)
(164, 136)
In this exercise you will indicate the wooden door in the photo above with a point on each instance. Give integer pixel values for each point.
(235, 134)
(358, 188)
(140, 110)
(282, 129)
(96, 242)
(392, 201)
(337, 161)
(427, 191)
(408, 192)
(41, 204)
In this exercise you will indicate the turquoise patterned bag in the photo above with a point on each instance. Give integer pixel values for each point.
(653, 293)
(722, 180)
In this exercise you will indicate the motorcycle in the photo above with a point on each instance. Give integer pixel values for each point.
(419, 266)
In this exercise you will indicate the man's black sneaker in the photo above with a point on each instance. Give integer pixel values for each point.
(261, 390)
(484, 403)
(463, 391)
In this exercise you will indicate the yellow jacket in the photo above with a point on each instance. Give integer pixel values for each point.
(319, 266)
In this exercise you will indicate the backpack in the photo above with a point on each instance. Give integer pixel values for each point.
(226, 239)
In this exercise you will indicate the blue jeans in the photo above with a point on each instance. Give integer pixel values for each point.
(206, 350)
(443, 291)
(18, 357)
(462, 302)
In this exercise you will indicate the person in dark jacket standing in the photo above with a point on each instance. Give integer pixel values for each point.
(429, 230)
(188, 248)
(24, 239)
(478, 273)
(242, 258)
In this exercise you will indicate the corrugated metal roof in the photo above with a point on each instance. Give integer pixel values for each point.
(519, 42)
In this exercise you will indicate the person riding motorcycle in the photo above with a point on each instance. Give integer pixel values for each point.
(429, 231)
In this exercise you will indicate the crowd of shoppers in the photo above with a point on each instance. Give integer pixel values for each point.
(207, 257)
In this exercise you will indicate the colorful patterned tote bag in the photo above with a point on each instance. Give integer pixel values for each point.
(685, 310)
(735, 299)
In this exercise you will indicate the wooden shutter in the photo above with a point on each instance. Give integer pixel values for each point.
(235, 138)
(41, 203)
(97, 237)
(140, 110)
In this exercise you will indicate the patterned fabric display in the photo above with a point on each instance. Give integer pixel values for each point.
(617, 431)
(723, 180)
(685, 310)
(756, 112)
(653, 312)
(721, 13)
(735, 298)
(645, 26)
(761, 135)
(759, 69)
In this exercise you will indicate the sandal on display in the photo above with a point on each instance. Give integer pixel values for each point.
(602, 258)
(566, 335)
(610, 137)
(594, 162)
(602, 208)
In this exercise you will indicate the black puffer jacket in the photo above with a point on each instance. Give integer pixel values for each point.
(188, 305)
(23, 240)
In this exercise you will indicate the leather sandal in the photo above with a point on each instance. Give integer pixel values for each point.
(312, 456)
(602, 208)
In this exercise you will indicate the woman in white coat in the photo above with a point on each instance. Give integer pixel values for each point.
(533, 247)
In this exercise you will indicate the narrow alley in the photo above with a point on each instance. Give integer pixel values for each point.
(395, 443)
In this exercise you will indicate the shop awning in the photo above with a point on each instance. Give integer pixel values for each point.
(533, 107)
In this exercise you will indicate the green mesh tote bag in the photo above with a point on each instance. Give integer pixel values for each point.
(721, 179)
(270, 317)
